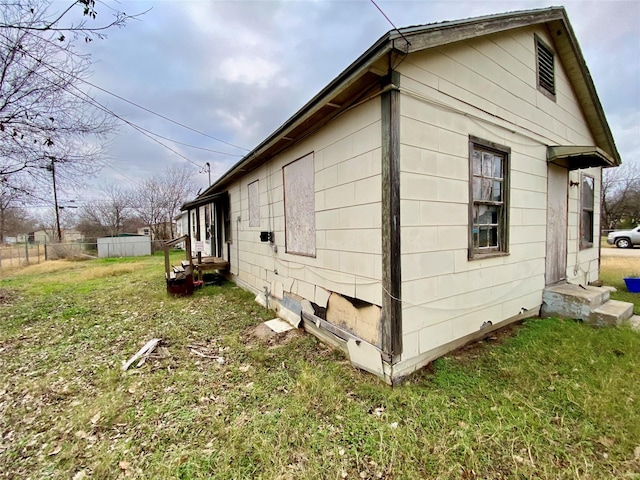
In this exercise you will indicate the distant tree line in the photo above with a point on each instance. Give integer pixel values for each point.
(154, 202)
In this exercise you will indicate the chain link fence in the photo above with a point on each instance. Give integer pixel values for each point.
(21, 255)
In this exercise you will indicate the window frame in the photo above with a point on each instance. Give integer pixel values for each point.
(587, 242)
(541, 44)
(502, 248)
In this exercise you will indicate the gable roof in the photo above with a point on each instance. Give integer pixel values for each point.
(363, 77)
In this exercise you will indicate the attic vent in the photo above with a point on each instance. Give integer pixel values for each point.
(546, 77)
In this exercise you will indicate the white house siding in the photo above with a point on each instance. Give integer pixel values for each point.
(485, 88)
(347, 178)
(583, 265)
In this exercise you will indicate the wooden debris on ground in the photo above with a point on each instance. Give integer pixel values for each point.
(206, 352)
(142, 354)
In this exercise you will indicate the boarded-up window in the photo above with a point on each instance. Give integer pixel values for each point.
(586, 205)
(254, 204)
(489, 192)
(299, 207)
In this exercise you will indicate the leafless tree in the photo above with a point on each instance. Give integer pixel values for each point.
(45, 116)
(13, 217)
(158, 199)
(108, 215)
(621, 196)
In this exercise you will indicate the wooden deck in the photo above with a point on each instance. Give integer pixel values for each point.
(211, 263)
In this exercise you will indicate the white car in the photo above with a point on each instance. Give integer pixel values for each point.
(624, 238)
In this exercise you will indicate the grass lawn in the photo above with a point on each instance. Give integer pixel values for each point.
(549, 399)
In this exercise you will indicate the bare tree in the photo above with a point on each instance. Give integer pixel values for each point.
(159, 198)
(13, 217)
(109, 215)
(45, 117)
(621, 196)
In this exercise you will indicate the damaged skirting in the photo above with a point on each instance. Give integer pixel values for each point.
(361, 354)
(299, 312)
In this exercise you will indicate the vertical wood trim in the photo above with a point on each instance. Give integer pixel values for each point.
(391, 271)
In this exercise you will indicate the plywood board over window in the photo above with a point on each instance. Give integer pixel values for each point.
(299, 206)
(254, 204)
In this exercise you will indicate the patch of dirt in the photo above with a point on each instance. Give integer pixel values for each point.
(7, 297)
(472, 350)
(263, 335)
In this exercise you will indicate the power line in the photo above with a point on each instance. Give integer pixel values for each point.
(53, 69)
(392, 24)
(161, 116)
(87, 98)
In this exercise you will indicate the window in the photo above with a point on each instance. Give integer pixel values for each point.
(254, 204)
(586, 210)
(489, 198)
(299, 207)
(546, 69)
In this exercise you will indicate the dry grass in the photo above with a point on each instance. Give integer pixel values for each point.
(556, 400)
(621, 266)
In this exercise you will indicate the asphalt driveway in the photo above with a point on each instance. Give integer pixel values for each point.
(619, 252)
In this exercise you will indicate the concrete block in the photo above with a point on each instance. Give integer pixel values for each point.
(613, 312)
(572, 301)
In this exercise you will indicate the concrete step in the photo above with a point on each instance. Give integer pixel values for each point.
(572, 301)
(634, 321)
(610, 313)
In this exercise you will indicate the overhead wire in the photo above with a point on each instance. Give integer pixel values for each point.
(390, 22)
(83, 96)
(161, 115)
(142, 130)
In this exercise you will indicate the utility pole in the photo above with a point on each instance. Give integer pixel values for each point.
(208, 165)
(52, 169)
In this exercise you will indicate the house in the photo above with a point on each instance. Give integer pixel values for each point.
(161, 230)
(425, 197)
(182, 227)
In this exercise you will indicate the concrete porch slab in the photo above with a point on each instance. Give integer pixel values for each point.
(613, 312)
(572, 301)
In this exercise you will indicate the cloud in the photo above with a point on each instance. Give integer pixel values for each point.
(236, 70)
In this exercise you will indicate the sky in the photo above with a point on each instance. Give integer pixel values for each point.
(236, 70)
